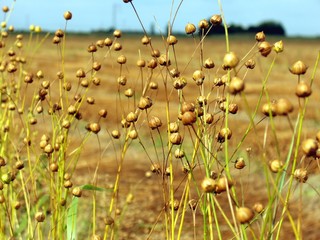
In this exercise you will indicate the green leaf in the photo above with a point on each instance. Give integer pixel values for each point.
(72, 219)
(93, 188)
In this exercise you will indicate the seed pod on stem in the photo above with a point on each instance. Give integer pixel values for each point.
(244, 215)
(190, 28)
(230, 60)
(265, 48)
(208, 185)
(298, 68)
(303, 90)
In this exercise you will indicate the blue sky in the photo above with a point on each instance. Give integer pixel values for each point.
(297, 16)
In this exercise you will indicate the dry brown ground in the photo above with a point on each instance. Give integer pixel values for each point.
(139, 217)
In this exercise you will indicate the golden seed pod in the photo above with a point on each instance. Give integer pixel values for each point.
(190, 28)
(260, 36)
(92, 48)
(84, 83)
(244, 215)
(176, 138)
(208, 63)
(117, 46)
(303, 90)
(77, 192)
(132, 117)
(202, 101)
(6, 178)
(224, 133)
(283, 107)
(152, 63)
(265, 48)
(67, 86)
(80, 73)
(222, 184)
(179, 83)
(56, 40)
(39, 216)
(188, 118)
(127, 1)
(117, 33)
(239, 163)
(124, 123)
(100, 43)
(19, 165)
(230, 60)
(108, 42)
(153, 85)
(298, 68)
(59, 33)
(2, 162)
(145, 40)
(258, 207)
(155, 53)
(275, 165)
(145, 103)
(33, 121)
(233, 108)
(96, 66)
(208, 185)
(179, 153)
(122, 59)
(54, 167)
(48, 149)
(5, 9)
(187, 107)
(96, 81)
(209, 118)
(301, 175)
(269, 109)
(108, 220)
(203, 24)
(115, 134)
(155, 168)
(141, 63)
(129, 92)
(278, 47)
(164, 60)
(95, 127)
(133, 134)
(173, 127)
(198, 76)
(250, 64)
(154, 122)
(236, 85)
(90, 100)
(174, 72)
(11, 67)
(122, 80)
(3, 24)
(175, 204)
(216, 20)
(309, 147)
(172, 40)
(67, 15)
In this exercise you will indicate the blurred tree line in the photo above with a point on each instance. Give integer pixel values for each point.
(268, 27)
